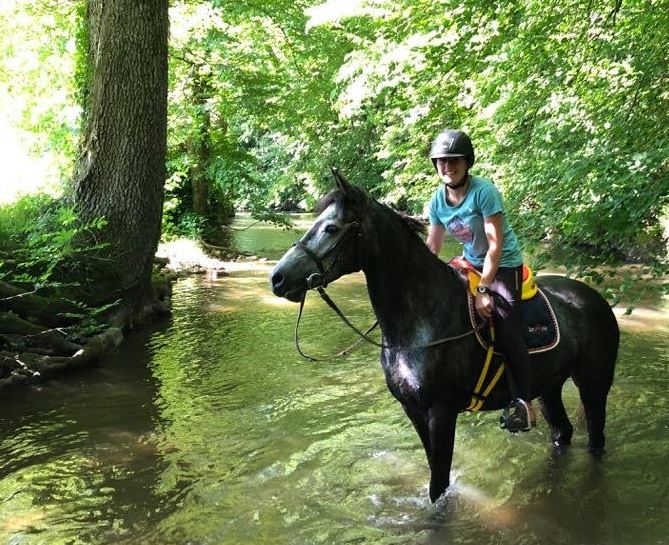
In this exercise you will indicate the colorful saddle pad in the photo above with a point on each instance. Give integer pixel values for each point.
(528, 288)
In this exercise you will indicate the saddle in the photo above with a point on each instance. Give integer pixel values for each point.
(540, 328)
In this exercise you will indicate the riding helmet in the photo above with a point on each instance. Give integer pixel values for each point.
(452, 143)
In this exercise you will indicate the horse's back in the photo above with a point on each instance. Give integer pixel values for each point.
(579, 301)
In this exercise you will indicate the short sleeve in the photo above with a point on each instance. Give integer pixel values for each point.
(432, 213)
(490, 201)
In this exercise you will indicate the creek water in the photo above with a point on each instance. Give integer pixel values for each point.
(210, 429)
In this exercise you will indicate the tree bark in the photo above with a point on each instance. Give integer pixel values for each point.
(120, 174)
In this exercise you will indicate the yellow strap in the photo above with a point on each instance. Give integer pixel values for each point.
(484, 371)
(487, 391)
(477, 401)
(482, 376)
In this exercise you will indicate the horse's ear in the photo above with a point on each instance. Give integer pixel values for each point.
(342, 183)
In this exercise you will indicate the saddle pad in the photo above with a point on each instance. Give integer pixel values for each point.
(540, 327)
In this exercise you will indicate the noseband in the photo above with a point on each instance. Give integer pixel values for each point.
(318, 279)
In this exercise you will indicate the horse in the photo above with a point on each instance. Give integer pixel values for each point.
(418, 298)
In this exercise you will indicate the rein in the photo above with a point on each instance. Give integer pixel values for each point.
(318, 281)
(364, 336)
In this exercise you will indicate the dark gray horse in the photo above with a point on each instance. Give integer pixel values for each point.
(418, 298)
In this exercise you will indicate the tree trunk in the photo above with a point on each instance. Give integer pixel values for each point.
(201, 144)
(121, 169)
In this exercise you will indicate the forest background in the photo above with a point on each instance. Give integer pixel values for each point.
(567, 104)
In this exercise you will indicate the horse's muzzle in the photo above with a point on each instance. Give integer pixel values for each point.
(282, 288)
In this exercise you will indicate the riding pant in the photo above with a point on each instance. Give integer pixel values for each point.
(506, 292)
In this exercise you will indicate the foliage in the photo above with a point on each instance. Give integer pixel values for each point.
(549, 96)
(244, 104)
(567, 104)
(43, 237)
(42, 245)
(90, 321)
(37, 51)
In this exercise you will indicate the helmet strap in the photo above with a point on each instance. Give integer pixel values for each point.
(459, 184)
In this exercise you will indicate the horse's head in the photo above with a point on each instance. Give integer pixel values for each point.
(328, 250)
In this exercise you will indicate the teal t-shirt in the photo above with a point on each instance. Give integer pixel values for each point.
(465, 222)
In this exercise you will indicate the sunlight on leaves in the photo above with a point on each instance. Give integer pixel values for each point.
(334, 11)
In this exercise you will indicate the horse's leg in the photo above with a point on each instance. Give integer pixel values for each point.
(442, 436)
(593, 396)
(419, 420)
(554, 412)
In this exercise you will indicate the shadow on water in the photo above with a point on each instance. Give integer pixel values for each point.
(80, 456)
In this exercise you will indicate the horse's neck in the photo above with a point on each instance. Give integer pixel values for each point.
(413, 293)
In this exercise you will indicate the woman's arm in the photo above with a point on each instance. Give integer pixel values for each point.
(494, 234)
(435, 238)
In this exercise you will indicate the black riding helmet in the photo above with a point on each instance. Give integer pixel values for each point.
(452, 143)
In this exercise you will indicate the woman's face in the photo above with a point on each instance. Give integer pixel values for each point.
(452, 169)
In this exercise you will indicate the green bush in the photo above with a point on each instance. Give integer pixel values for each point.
(41, 239)
(18, 218)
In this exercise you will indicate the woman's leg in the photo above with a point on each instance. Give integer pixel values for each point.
(506, 290)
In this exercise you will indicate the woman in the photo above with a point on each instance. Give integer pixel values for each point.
(470, 208)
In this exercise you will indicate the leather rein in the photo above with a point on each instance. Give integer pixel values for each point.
(319, 282)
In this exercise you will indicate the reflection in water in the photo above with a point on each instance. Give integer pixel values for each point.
(212, 430)
(79, 457)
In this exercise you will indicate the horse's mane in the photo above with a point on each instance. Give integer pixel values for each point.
(361, 205)
(336, 196)
(416, 225)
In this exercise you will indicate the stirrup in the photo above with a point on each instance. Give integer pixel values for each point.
(516, 417)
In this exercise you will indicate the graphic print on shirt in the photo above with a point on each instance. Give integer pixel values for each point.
(460, 230)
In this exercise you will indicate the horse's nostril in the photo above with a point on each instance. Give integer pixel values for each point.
(277, 280)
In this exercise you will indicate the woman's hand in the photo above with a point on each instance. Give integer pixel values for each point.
(484, 305)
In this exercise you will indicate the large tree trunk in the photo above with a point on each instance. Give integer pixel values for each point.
(120, 176)
(121, 170)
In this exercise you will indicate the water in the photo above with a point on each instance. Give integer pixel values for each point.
(210, 429)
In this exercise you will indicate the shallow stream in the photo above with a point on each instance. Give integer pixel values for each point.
(210, 429)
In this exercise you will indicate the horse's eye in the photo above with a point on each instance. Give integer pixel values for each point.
(331, 229)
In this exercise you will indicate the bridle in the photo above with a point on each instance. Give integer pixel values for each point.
(319, 279)
(319, 282)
